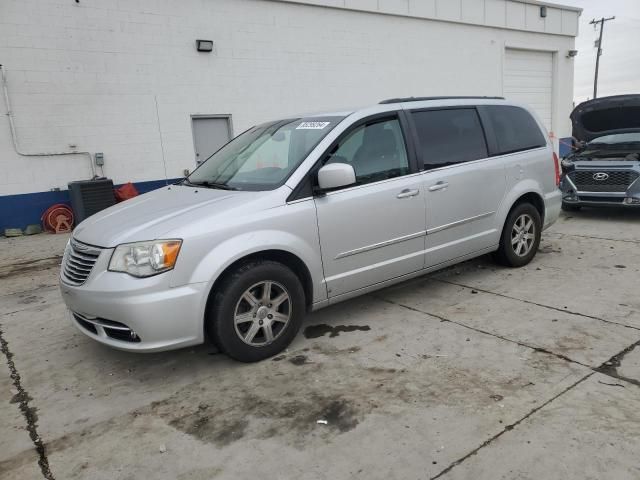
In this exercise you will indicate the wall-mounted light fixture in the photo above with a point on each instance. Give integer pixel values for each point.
(543, 11)
(204, 45)
(572, 53)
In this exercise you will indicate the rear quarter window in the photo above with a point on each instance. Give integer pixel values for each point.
(515, 129)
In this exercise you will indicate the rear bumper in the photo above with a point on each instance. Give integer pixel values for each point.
(552, 204)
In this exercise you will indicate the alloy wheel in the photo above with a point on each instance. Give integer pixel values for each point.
(523, 235)
(262, 313)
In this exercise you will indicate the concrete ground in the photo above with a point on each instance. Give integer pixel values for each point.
(476, 372)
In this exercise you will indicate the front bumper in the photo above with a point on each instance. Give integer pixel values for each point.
(572, 194)
(157, 316)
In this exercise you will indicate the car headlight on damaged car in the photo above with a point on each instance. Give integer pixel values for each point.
(144, 259)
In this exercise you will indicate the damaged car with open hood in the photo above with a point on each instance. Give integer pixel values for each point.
(604, 169)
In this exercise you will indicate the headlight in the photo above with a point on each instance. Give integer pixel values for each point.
(144, 259)
(566, 164)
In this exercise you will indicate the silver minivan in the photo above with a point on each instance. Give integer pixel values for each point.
(304, 212)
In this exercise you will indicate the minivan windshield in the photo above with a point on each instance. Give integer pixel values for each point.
(263, 157)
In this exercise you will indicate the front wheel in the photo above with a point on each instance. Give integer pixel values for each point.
(257, 311)
(520, 236)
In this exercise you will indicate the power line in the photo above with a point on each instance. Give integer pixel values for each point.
(601, 22)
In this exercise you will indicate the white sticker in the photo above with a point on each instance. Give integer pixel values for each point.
(312, 125)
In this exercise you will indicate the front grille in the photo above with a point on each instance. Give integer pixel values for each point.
(115, 330)
(616, 181)
(78, 261)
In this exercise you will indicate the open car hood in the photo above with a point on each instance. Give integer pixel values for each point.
(606, 116)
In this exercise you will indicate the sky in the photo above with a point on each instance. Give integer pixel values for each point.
(620, 60)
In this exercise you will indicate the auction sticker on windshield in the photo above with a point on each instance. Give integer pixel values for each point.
(312, 125)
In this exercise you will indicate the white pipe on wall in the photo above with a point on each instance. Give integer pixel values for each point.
(14, 136)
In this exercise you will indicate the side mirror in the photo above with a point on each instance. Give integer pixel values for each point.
(335, 175)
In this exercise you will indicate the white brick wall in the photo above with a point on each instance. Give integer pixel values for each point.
(86, 73)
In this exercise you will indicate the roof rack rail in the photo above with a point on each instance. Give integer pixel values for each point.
(418, 99)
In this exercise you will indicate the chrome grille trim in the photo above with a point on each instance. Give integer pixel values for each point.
(79, 259)
(101, 322)
(103, 327)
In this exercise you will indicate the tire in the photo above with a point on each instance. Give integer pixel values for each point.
(262, 330)
(519, 250)
(567, 207)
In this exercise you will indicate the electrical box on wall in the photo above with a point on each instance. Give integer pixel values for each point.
(99, 158)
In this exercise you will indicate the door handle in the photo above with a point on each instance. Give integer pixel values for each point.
(438, 186)
(406, 193)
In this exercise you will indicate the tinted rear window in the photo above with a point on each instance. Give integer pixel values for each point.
(515, 129)
(450, 136)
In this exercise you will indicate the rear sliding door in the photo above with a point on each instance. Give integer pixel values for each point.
(463, 186)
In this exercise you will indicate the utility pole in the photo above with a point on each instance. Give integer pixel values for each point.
(595, 22)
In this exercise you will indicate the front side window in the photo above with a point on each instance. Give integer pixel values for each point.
(515, 129)
(376, 151)
(448, 137)
(264, 156)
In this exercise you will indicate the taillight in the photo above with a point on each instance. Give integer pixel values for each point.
(556, 165)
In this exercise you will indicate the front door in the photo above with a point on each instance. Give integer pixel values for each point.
(209, 135)
(463, 186)
(374, 230)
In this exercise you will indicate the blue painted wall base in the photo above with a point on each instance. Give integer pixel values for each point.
(18, 211)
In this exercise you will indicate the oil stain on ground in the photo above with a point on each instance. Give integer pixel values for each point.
(320, 330)
(299, 360)
(284, 402)
(223, 425)
(339, 413)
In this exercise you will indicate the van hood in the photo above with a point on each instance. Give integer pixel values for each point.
(606, 116)
(154, 214)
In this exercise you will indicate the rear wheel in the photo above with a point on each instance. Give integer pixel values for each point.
(257, 311)
(520, 236)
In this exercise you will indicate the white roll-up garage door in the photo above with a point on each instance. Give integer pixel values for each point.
(528, 78)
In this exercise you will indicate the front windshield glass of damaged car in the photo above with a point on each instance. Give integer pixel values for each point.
(263, 157)
(616, 138)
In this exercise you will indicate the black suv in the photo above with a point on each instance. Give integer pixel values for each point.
(604, 168)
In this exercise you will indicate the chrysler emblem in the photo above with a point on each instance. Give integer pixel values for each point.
(600, 176)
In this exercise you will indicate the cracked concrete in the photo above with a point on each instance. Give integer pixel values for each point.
(590, 432)
(473, 372)
(23, 399)
(613, 367)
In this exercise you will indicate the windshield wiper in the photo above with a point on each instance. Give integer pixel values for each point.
(220, 186)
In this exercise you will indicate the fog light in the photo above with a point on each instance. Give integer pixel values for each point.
(631, 201)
